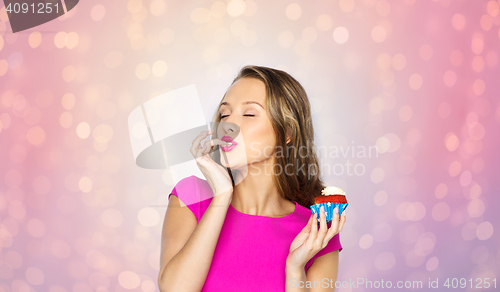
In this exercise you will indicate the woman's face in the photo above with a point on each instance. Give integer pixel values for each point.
(243, 111)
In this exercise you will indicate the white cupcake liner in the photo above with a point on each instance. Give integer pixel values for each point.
(328, 209)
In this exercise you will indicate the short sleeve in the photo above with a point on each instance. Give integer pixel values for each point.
(192, 191)
(332, 245)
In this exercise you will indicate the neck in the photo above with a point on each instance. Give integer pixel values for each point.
(257, 194)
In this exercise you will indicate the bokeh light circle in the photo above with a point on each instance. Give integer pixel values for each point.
(142, 71)
(36, 136)
(148, 217)
(379, 34)
(159, 68)
(441, 211)
(83, 130)
(324, 22)
(340, 35)
(441, 191)
(415, 81)
(476, 208)
(112, 218)
(365, 241)
(458, 21)
(157, 7)
(293, 11)
(97, 12)
(35, 276)
(484, 230)
(35, 39)
(432, 264)
(380, 198)
(129, 280)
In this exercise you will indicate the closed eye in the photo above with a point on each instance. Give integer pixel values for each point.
(243, 115)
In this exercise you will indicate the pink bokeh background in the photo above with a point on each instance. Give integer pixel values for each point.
(417, 79)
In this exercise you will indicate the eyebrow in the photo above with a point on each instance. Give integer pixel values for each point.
(246, 102)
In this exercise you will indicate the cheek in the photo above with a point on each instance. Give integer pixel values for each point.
(259, 140)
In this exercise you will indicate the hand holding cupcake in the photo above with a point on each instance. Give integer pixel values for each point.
(313, 238)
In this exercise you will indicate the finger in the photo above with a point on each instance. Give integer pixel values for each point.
(197, 151)
(212, 142)
(217, 141)
(322, 229)
(332, 231)
(342, 221)
(205, 149)
(313, 234)
(335, 216)
(200, 137)
(335, 223)
(196, 142)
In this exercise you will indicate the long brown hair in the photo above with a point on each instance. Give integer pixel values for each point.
(288, 108)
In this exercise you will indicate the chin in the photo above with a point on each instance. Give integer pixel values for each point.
(232, 156)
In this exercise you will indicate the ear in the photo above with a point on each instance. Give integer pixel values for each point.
(288, 135)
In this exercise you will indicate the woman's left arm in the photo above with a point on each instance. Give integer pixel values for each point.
(324, 270)
(308, 243)
(321, 275)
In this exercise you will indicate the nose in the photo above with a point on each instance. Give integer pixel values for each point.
(229, 129)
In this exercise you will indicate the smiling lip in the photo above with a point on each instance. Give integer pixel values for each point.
(228, 148)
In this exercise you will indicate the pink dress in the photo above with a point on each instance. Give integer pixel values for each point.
(251, 251)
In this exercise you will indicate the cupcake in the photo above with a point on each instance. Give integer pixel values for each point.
(330, 198)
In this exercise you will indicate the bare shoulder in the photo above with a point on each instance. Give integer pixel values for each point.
(178, 225)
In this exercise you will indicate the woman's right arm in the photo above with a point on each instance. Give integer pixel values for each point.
(188, 247)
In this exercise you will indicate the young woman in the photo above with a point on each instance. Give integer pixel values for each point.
(248, 227)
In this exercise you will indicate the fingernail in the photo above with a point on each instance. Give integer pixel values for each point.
(336, 210)
(322, 209)
(316, 215)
